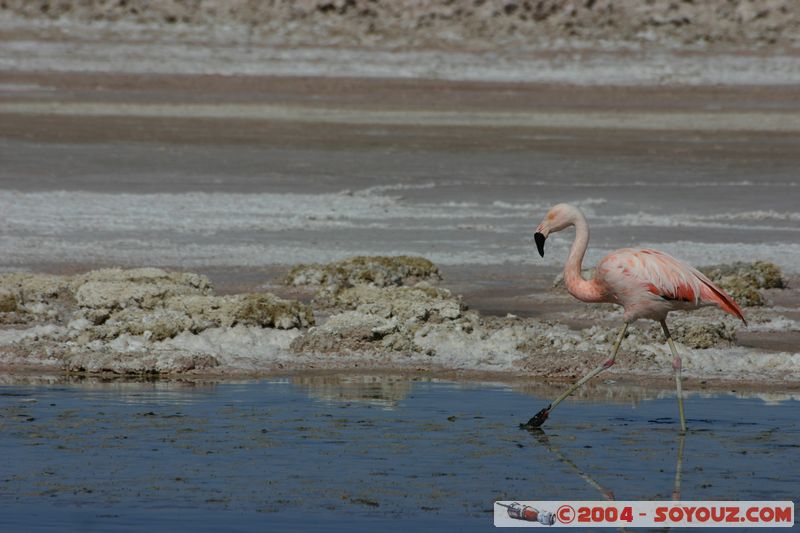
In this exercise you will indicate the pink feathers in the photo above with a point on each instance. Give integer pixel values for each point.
(712, 293)
(649, 284)
(646, 283)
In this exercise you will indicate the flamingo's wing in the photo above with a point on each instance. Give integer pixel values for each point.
(672, 279)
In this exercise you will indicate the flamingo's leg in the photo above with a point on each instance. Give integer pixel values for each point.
(676, 491)
(676, 365)
(542, 415)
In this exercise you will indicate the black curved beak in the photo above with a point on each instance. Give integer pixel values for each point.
(539, 238)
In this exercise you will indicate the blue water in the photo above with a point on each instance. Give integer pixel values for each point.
(389, 454)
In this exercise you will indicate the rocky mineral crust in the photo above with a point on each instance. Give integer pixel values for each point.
(473, 24)
(428, 325)
(375, 271)
(378, 303)
(130, 320)
(375, 311)
(743, 281)
(391, 318)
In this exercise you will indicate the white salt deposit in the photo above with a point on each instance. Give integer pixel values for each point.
(777, 323)
(240, 347)
(222, 229)
(43, 331)
(253, 349)
(598, 67)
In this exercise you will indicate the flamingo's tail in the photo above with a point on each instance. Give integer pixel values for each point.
(711, 293)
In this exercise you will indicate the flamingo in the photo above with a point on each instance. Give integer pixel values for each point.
(647, 283)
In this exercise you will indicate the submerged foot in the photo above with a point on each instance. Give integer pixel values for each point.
(537, 420)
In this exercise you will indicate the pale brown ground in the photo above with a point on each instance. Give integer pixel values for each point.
(493, 290)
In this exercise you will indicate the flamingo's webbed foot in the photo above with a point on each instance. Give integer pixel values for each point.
(537, 420)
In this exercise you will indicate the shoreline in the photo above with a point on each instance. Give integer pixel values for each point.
(150, 322)
(534, 385)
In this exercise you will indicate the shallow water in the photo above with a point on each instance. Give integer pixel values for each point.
(361, 453)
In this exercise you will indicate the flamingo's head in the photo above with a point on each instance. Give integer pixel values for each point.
(559, 217)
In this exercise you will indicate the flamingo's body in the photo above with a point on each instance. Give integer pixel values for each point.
(650, 284)
(646, 283)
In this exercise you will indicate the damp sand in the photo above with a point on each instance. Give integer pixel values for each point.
(209, 171)
(345, 452)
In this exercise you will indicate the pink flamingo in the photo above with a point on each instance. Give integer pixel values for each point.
(646, 283)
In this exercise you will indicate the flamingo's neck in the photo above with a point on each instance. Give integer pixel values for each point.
(585, 290)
